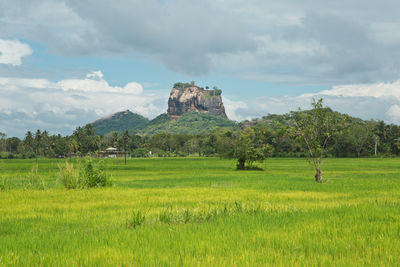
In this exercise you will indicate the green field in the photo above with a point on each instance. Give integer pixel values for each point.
(202, 212)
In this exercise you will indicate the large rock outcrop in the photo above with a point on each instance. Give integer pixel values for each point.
(194, 98)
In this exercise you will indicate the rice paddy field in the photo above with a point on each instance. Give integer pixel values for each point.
(202, 212)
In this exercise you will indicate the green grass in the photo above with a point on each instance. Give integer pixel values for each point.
(202, 212)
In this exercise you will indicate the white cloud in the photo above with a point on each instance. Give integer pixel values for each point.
(94, 82)
(247, 109)
(12, 51)
(232, 108)
(377, 90)
(394, 113)
(95, 75)
(61, 106)
(380, 99)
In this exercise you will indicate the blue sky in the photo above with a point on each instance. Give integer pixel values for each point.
(67, 63)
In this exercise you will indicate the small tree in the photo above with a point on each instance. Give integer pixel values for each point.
(247, 152)
(316, 128)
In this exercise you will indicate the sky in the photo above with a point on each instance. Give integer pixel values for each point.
(66, 63)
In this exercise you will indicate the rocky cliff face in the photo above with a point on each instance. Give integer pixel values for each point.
(196, 99)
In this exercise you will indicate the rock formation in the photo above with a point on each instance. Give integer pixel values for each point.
(194, 98)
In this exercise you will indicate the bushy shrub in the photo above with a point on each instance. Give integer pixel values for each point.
(86, 176)
(93, 176)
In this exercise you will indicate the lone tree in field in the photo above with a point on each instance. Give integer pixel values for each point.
(316, 128)
(246, 151)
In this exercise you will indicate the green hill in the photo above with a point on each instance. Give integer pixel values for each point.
(188, 123)
(120, 121)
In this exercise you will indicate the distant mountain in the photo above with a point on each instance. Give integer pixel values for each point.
(120, 121)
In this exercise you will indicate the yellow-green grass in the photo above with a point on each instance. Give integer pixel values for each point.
(279, 216)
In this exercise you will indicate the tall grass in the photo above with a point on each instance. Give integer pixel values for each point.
(35, 180)
(68, 176)
(135, 219)
(6, 183)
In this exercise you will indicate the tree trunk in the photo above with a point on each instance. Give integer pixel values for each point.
(240, 165)
(318, 175)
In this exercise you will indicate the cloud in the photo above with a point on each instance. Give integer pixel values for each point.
(29, 104)
(232, 108)
(378, 90)
(94, 82)
(273, 41)
(247, 109)
(394, 113)
(12, 51)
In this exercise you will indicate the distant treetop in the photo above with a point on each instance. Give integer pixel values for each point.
(216, 92)
(180, 85)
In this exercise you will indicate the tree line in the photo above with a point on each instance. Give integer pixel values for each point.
(272, 135)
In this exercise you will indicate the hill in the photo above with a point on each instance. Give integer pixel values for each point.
(188, 123)
(120, 121)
